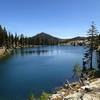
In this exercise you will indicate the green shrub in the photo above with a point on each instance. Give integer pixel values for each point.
(44, 96)
(32, 97)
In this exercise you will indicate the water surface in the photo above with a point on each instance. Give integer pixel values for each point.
(34, 70)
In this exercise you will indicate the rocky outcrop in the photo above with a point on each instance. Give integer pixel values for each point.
(90, 92)
(2, 51)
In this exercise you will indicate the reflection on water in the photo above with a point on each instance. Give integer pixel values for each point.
(30, 52)
(36, 51)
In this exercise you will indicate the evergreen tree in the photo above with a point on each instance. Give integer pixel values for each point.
(99, 39)
(5, 38)
(22, 40)
(12, 40)
(16, 40)
(9, 40)
(91, 46)
(1, 36)
(98, 53)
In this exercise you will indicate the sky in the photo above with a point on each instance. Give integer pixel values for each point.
(60, 18)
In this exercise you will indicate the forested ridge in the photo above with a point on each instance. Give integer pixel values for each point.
(13, 40)
(10, 40)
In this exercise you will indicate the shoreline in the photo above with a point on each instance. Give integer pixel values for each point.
(86, 92)
(4, 52)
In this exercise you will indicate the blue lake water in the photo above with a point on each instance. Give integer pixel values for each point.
(34, 70)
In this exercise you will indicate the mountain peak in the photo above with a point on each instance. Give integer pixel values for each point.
(44, 39)
(42, 34)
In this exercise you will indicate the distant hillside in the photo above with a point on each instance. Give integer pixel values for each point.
(78, 38)
(73, 40)
(45, 39)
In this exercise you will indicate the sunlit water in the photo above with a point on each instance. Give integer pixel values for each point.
(34, 70)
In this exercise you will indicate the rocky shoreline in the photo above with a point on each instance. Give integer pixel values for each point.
(90, 91)
(4, 52)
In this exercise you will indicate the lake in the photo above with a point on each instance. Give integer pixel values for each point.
(34, 70)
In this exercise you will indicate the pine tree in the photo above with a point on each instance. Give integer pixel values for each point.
(91, 46)
(9, 40)
(98, 53)
(5, 38)
(22, 40)
(12, 40)
(16, 40)
(1, 36)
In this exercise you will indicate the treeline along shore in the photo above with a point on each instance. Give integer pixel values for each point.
(10, 40)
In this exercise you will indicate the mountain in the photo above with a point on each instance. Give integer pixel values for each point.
(78, 38)
(45, 35)
(45, 39)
